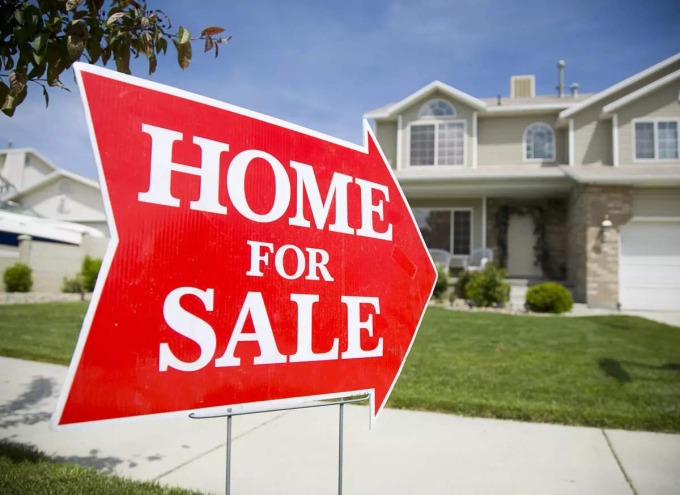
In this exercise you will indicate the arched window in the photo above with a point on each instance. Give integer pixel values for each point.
(539, 142)
(437, 108)
(437, 139)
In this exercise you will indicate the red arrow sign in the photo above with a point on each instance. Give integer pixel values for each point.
(251, 260)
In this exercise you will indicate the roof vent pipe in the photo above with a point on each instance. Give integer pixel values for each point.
(574, 90)
(560, 85)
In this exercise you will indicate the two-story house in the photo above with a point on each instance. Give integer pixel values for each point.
(580, 188)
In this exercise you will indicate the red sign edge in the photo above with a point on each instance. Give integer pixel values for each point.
(369, 137)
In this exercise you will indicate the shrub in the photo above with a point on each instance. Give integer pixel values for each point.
(442, 284)
(73, 285)
(488, 287)
(549, 297)
(463, 279)
(484, 288)
(89, 272)
(18, 278)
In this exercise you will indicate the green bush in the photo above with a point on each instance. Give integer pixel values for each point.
(89, 272)
(549, 297)
(18, 278)
(484, 288)
(73, 285)
(462, 282)
(442, 284)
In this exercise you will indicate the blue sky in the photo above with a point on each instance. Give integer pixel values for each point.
(323, 64)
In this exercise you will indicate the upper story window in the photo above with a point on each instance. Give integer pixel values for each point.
(437, 143)
(437, 108)
(656, 140)
(539, 142)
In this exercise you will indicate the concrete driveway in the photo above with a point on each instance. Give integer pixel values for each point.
(407, 452)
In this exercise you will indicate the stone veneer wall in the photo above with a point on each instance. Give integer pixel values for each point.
(593, 267)
(555, 214)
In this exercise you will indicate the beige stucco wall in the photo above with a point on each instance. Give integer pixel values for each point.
(660, 104)
(501, 140)
(386, 134)
(51, 261)
(410, 115)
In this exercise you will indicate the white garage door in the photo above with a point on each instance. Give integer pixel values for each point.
(650, 266)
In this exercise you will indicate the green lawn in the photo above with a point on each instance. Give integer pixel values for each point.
(26, 471)
(41, 332)
(607, 371)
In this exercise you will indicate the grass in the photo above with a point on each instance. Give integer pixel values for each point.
(605, 371)
(41, 332)
(26, 471)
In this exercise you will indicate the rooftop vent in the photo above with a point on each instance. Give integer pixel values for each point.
(522, 86)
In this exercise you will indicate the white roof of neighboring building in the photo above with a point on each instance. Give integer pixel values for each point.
(67, 232)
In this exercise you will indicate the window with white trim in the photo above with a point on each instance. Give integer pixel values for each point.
(450, 230)
(438, 144)
(539, 142)
(437, 108)
(656, 140)
(437, 139)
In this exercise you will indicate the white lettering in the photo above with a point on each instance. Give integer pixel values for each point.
(190, 326)
(306, 181)
(162, 167)
(355, 325)
(304, 337)
(368, 209)
(263, 335)
(236, 185)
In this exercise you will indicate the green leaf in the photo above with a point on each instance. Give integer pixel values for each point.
(114, 17)
(162, 44)
(47, 97)
(40, 42)
(153, 63)
(72, 4)
(122, 58)
(183, 54)
(17, 82)
(4, 92)
(183, 36)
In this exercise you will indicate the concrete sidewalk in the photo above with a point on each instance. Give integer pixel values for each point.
(296, 451)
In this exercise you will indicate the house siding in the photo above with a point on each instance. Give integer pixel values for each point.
(660, 104)
(410, 115)
(386, 134)
(592, 136)
(593, 255)
(501, 140)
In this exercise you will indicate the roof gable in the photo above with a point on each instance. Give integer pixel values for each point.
(622, 85)
(432, 88)
(635, 95)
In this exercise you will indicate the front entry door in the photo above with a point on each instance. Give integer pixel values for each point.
(521, 240)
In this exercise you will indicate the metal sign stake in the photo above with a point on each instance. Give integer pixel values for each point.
(341, 420)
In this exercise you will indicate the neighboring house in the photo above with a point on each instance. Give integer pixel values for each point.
(583, 189)
(35, 183)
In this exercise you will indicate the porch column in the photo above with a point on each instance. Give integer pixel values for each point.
(483, 221)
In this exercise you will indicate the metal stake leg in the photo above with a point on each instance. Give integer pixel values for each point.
(340, 446)
(228, 492)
